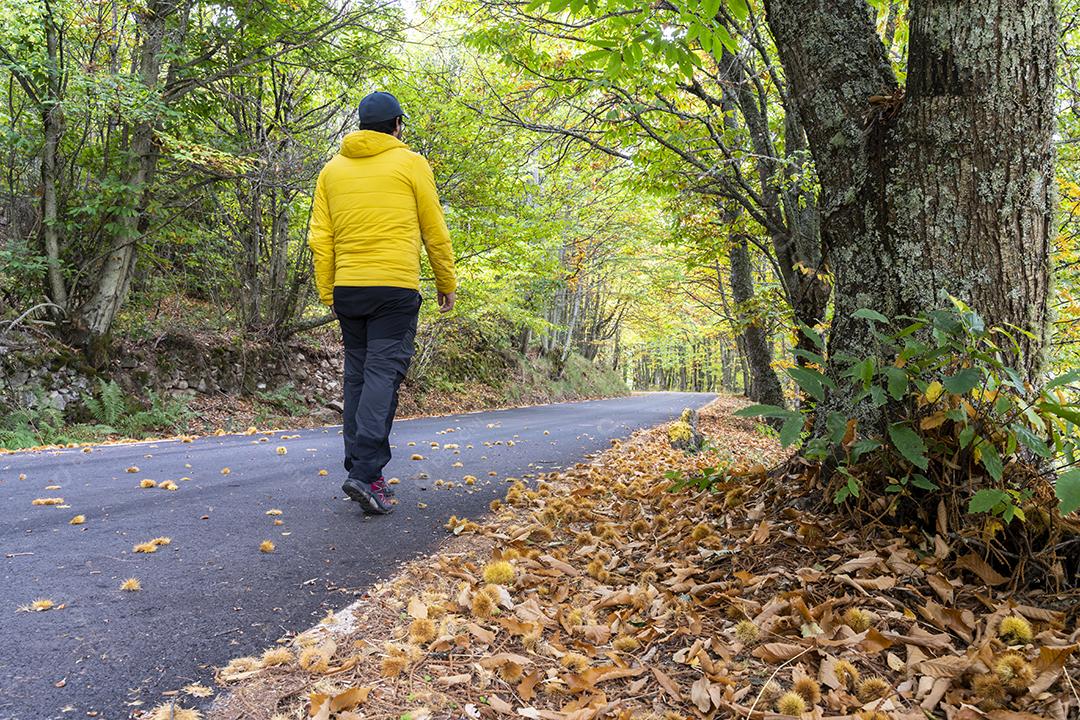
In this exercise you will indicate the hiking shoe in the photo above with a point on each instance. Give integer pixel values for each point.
(371, 496)
(381, 484)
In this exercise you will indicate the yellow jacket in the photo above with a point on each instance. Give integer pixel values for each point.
(374, 202)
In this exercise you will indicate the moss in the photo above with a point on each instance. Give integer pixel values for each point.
(680, 431)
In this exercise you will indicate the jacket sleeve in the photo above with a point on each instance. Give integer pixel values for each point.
(321, 241)
(433, 227)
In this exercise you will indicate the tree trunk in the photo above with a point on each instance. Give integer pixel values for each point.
(764, 385)
(97, 316)
(947, 191)
(52, 121)
(794, 226)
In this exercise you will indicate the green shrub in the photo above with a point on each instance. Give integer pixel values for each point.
(285, 398)
(164, 414)
(963, 424)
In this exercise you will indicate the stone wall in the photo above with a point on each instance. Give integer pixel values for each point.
(36, 370)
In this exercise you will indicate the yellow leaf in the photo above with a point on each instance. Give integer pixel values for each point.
(933, 391)
(933, 421)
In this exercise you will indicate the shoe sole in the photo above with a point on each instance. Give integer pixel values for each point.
(370, 504)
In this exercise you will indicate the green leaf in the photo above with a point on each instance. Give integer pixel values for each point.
(963, 382)
(986, 500)
(872, 315)
(721, 33)
(863, 446)
(813, 336)
(1064, 379)
(1030, 440)
(772, 411)
(808, 355)
(1065, 413)
(1067, 489)
(811, 381)
(910, 445)
(591, 57)
(841, 495)
(898, 382)
(709, 8)
(864, 371)
(921, 481)
(792, 429)
(739, 9)
(991, 460)
(836, 426)
(853, 487)
(966, 436)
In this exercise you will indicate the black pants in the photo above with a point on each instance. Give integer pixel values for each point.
(378, 326)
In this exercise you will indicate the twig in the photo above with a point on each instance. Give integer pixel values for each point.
(225, 632)
(16, 321)
(1065, 674)
(766, 684)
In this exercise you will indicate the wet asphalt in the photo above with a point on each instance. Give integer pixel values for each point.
(211, 594)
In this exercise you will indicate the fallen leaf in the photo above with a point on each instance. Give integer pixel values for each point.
(1049, 667)
(417, 608)
(669, 685)
(350, 698)
(778, 651)
(526, 688)
(699, 694)
(319, 707)
(981, 569)
(499, 705)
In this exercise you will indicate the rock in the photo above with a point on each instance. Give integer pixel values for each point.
(201, 387)
(336, 406)
(683, 433)
(326, 416)
(57, 400)
(128, 362)
(182, 385)
(18, 379)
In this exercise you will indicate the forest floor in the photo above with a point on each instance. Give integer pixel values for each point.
(597, 592)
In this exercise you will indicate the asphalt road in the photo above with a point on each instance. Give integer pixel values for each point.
(210, 594)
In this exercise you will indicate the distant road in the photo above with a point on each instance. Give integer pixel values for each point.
(210, 594)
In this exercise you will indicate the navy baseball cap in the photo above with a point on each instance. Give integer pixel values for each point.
(379, 107)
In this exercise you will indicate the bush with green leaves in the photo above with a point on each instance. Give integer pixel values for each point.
(286, 399)
(962, 423)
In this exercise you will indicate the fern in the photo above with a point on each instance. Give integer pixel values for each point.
(39, 424)
(110, 405)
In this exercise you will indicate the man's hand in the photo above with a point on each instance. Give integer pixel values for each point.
(446, 301)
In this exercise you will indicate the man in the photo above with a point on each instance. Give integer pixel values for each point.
(375, 201)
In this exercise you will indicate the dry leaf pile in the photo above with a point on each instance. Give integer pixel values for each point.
(598, 593)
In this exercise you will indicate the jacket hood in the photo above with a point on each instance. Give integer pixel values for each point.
(365, 143)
